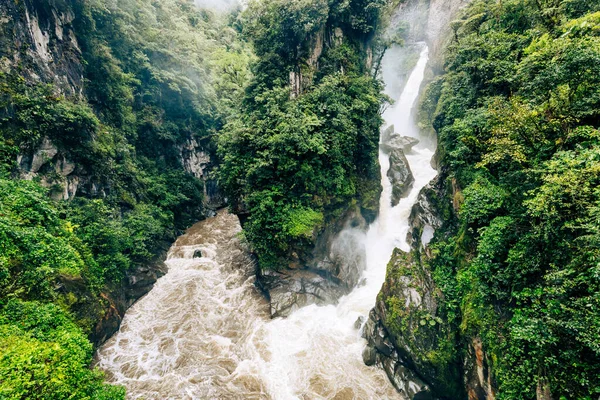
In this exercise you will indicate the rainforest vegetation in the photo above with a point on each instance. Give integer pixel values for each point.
(517, 112)
(294, 158)
(283, 96)
(157, 74)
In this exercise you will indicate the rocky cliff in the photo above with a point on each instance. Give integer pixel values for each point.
(335, 257)
(41, 47)
(409, 332)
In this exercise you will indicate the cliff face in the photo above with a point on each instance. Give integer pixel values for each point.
(331, 263)
(39, 45)
(409, 332)
(38, 40)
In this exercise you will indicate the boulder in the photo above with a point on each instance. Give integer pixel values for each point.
(369, 356)
(400, 176)
(359, 322)
(289, 290)
(397, 142)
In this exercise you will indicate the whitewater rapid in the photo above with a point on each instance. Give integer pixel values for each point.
(204, 331)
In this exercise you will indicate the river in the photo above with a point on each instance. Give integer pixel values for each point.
(204, 331)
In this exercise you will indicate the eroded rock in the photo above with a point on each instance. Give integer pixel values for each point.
(397, 142)
(290, 290)
(405, 331)
(400, 176)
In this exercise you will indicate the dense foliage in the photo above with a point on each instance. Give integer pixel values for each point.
(297, 156)
(158, 75)
(517, 113)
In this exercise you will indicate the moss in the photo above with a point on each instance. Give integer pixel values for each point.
(426, 332)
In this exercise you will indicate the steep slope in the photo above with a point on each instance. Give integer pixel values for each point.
(107, 118)
(509, 282)
(300, 162)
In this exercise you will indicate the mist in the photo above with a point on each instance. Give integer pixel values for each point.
(218, 5)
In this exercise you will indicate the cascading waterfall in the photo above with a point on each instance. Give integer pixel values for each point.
(203, 332)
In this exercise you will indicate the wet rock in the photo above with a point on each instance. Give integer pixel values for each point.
(401, 351)
(382, 342)
(359, 322)
(387, 133)
(397, 142)
(369, 356)
(290, 290)
(198, 253)
(400, 176)
(426, 215)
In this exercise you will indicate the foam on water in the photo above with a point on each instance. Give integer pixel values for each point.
(203, 332)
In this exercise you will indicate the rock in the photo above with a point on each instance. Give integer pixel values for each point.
(45, 153)
(400, 176)
(397, 142)
(477, 372)
(382, 343)
(290, 290)
(399, 350)
(359, 322)
(64, 167)
(197, 253)
(369, 356)
(425, 215)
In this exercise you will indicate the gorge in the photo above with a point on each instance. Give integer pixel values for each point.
(299, 199)
(204, 332)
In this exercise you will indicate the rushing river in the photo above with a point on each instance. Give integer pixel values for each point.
(204, 331)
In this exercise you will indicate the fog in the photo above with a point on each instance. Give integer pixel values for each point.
(218, 5)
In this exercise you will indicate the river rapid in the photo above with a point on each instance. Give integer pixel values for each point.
(204, 331)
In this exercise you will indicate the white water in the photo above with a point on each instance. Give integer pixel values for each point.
(203, 332)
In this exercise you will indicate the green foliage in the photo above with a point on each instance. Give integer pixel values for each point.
(43, 355)
(36, 245)
(517, 118)
(294, 155)
(160, 77)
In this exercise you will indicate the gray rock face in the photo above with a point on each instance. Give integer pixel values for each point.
(381, 351)
(397, 142)
(197, 161)
(323, 274)
(400, 176)
(40, 35)
(426, 215)
(290, 290)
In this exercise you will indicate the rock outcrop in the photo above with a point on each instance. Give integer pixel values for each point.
(400, 176)
(408, 335)
(289, 290)
(397, 142)
(38, 39)
(394, 329)
(323, 274)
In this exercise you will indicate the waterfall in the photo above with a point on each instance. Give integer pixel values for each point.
(203, 332)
